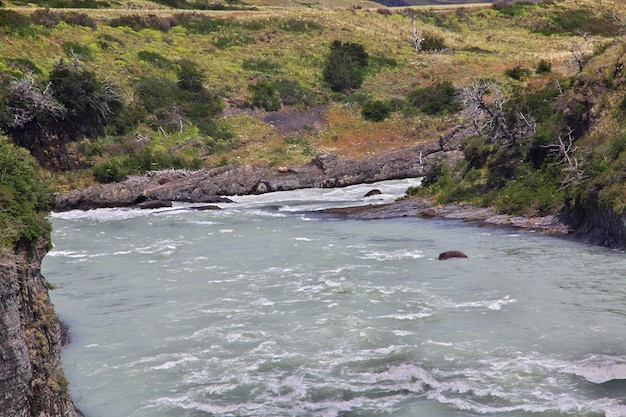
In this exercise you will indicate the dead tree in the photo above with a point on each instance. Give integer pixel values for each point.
(483, 103)
(579, 50)
(566, 150)
(27, 102)
(416, 39)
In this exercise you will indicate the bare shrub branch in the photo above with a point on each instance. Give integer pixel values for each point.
(483, 104)
(416, 39)
(566, 150)
(27, 102)
(580, 49)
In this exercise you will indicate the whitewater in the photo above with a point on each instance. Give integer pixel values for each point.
(268, 308)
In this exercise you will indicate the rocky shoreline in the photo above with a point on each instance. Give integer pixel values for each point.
(599, 226)
(482, 216)
(210, 186)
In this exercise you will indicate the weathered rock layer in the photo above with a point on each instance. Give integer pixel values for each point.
(209, 185)
(31, 378)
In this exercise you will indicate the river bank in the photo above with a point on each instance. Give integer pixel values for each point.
(425, 207)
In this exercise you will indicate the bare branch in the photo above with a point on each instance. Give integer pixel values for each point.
(27, 102)
(579, 50)
(484, 104)
(566, 150)
(416, 39)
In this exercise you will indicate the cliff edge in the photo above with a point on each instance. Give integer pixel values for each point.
(31, 377)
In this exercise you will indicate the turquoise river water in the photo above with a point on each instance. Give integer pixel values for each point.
(266, 308)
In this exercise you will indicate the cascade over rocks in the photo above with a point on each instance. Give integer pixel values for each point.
(208, 186)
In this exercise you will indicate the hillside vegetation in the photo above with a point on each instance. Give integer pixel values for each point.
(125, 87)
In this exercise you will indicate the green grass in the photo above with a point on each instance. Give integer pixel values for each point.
(288, 47)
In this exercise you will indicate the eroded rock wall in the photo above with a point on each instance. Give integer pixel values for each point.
(32, 383)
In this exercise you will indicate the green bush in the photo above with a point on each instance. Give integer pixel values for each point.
(532, 193)
(264, 94)
(109, 171)
(155, 59)
(44, 120)
(477, 151)
(75, 49)
(299, 26)
(437, 99)
(25, 197)
(260, 65)
(16, 24)
(517, 73)
(345, 66)
(433, 42)
(544, 67)
(190, 77)
(232, 39)
(376, 110)
(292, 93)
(203, 25)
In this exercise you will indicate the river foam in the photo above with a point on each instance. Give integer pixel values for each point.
(257, 310)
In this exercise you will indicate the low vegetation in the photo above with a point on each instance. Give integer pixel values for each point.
(113, 91)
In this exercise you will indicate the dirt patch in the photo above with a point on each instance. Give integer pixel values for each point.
(289, 120)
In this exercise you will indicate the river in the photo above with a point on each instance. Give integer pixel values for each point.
(266, 308)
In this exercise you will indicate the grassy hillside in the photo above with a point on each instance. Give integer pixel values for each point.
(192, 85)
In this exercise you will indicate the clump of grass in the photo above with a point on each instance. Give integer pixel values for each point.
(517, 72)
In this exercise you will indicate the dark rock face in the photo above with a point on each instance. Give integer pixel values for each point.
(323, 171)
(31, 378)
(602, 226)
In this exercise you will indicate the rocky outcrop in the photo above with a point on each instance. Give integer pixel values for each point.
(207, 186)
(31, 377)
(602, 226)
(424, 207)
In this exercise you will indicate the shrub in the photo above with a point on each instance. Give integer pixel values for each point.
(299, 26)
(203, 25)
(544, 67)
(433, 42)
(292, 93)
(437, 99)
(78, 105)
(25, 197)
(190, 77)
(155, 59)
(150, 21)
(260, 65)
(16, 24)
(109, 171)
(376, 110)
(232, 39)
(345, 66)
(517, 73)
(75, 49)
(265, 95)
(476, 151)
(49, 18)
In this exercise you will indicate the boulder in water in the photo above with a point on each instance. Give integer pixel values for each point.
(451, 254)
(152, 204)
(370, 193)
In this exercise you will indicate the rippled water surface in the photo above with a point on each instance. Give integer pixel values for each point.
(265, 308)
